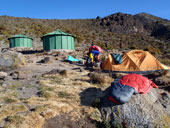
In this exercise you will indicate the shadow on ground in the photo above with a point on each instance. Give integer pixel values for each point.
(32, 51)
(89, 96)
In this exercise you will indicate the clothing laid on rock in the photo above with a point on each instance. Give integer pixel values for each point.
(140, 83)
(120, 93)
(122, 89)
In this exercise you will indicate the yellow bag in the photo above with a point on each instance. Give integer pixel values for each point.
(92, 57)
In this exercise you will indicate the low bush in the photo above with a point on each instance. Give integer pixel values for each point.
(153, 50)
(97, 78)
(9, 100)
(63, 73)
(63, 95)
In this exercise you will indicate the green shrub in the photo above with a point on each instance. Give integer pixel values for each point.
(133, 46)
(15, 119)
(111, 46)
(166, 61)
(6, 42)
(1, 38)
(96, 102)
(106, 124)
(9, 100)
(63, 95)
(44, 93)
(63, 73)
(153, 50)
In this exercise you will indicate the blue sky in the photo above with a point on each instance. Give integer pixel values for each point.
(82, 9)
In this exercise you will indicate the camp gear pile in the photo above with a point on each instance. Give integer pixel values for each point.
(94, 56)
(94, 47)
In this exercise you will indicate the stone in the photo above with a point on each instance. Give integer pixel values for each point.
(10, 60)
(18, 75)
(82, 61)
(46, 59)
(81, 70)
(8, 78)
(14, 75)
(147, 110)
(4, 85)
(3, 75)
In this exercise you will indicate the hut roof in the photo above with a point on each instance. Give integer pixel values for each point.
(58, 32)
(19, 36)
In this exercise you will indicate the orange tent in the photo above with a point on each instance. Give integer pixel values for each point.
(135, 60)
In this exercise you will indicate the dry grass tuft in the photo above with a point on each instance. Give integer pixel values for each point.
(165, 73)
(18, 108)
(45, 94)
(98, 78)
(9, 100)
(15, 119)
(4, 113)
(48, 114)
(63, 94)
(33, 120)
(40, 108)
(63, 73)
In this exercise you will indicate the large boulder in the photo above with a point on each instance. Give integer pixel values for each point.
(10, 60)
(148, 110)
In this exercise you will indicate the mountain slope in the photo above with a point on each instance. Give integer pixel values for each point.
(140, 31)
(158, 27)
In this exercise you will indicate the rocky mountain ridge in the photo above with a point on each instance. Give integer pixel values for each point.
(140, 23)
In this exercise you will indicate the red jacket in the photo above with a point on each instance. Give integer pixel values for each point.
(94, 47)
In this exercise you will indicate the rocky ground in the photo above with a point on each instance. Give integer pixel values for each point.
(42, 90)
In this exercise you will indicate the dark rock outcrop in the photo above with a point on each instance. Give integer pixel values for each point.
(121, 23)
(140, 23)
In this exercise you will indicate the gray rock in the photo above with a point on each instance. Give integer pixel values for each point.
(141, 111)
(6, 62)
(3, 75)
(4, 84)
(14, 75)
(22, 88)
(8, 78)
(10, 60)
(82, 61)
(81, 70)
(18, 75)
(45, 60)
(27, 92)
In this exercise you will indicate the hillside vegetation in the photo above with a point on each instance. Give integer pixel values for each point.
(140, 31)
